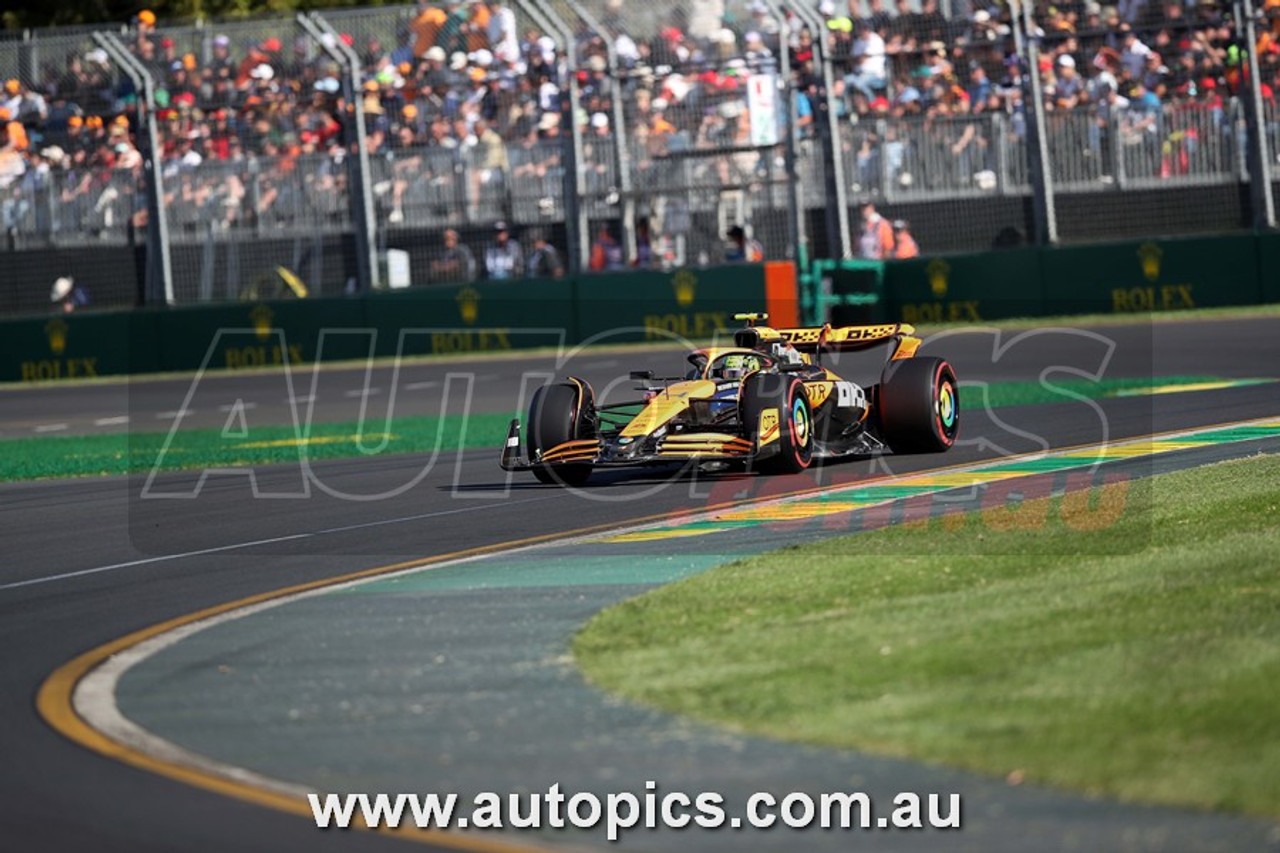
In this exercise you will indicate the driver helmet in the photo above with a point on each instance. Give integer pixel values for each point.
(737, 366)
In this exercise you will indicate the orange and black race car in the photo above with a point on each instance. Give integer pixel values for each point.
(766, 403)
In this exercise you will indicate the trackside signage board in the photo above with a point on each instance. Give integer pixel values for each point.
(1116, 278)
(965, 288)
(482, 317)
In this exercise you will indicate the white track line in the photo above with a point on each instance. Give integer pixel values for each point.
(43, 428)
(94, 697)
(116, 421)
(328, 531)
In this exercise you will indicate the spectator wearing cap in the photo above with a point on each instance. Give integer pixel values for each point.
(741, 248)
(67, 296)
(904, 245)
(12, 98)
(762, 20)
(503, 258)
(870, 62)
(31, 107)
(543, 261)
(757, 54)
(979, 88)
(220, 63)
(1069, 88)
(15, 134)
(145, 22)
(1155, 74)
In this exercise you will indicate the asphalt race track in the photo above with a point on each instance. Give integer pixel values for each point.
(86, 562)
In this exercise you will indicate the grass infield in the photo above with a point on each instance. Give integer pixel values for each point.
(123, 453)
(1148, 673)
(120, 453)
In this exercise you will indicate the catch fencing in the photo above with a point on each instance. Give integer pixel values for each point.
(317, 153)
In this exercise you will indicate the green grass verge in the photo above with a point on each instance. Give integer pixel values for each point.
(93, 455)
(115, 453)
(1146, 673)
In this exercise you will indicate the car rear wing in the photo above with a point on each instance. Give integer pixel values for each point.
(814, 339)
(841, 338)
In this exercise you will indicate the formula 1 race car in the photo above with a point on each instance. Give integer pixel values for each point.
(767, 404)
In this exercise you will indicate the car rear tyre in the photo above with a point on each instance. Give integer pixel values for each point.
(560, 413)
(919, 406)
(763, 391)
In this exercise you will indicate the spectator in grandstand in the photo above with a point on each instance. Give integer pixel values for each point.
(904, 244)
(14, 132)
(67, 296)
(644, 245)
(1068, 90)
(503, 258)
(1133, 53)
(606, 252)
(870, 63)
(543, 261)
(875, 238)
(489, 161)
(741, 248)
(456, 262)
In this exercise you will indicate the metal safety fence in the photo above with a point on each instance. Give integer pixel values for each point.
(313, 153)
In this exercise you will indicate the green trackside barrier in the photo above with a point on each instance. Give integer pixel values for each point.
(1269, 266)
(684, 304)
(965, 288)
(246, 335)
(640, 306)
(486, 316)
(844, 291)
(1152, 275)
(77, 346)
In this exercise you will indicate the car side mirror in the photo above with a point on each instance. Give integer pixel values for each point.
(642, 374)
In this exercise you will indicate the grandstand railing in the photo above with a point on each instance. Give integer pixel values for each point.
(671, 136)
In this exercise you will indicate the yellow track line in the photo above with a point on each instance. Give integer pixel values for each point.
(55, 699)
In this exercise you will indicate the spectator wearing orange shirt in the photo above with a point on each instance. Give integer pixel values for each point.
(875, 240)
(904, 245)
(426, 27)
(16, 134)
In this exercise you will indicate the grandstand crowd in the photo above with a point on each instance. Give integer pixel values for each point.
(465, 109)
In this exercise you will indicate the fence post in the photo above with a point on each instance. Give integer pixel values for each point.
(360, 192)
(159, 272)
(832, 144)
(576, 226)
(1027, 45)
(1264, 212)
(621, 142)
(795, 200)
(1001, 135)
